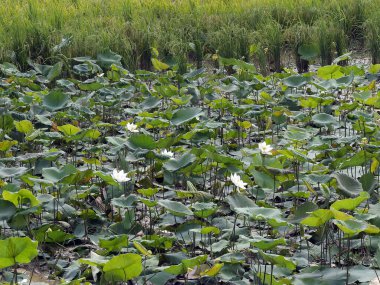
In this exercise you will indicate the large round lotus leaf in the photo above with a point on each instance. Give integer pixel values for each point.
(351, 227)
(150, 102)
(56, 100)
(345, 81)
(176, 208)
(321, 276)
(17, 250)
(261, 213)
(6, 172)
(114, 243)
(324, 119)
(349, 186)
(68, 130)
(327, 84)
(179, 163)
(330, 72)
(362, 274)
(123, 267)
(296, 81)
(20, 197)
(237, 201)
(85, 68)
(124, 202)
(108, 58)
(185, 115)
(54, 174)
(141, 141)
(90, 86)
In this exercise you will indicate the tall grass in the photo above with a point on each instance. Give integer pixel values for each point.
(179, 28)
(299, 35)
(271, 37)
(372, 34)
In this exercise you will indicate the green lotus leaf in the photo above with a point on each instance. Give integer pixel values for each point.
(349, 186)
(17, 250)
(176, 208)
(182, 116)
(56, 100)
(123, 267)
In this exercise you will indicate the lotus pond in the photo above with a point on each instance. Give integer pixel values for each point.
(163, 177)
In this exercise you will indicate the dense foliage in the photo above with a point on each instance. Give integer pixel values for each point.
(108, 176)
(255, 30)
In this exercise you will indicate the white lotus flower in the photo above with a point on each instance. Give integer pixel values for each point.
(237, 181)
(24, 281)
(167, 153)
(132, 128)
(265, 148)
(120, 176)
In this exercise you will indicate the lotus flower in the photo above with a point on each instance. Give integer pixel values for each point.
(167, 153)
(119, 176)
(265, 148)
(237, 181)
(132, 128)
